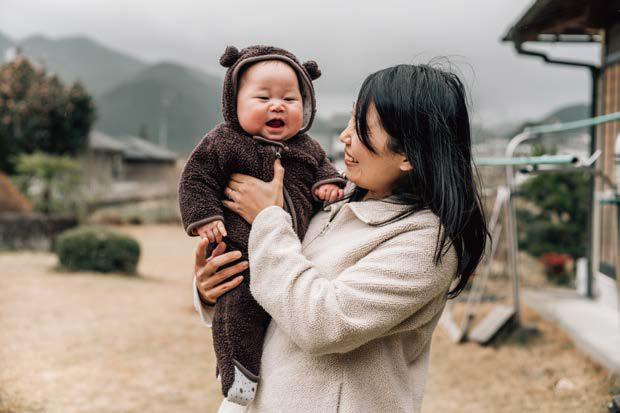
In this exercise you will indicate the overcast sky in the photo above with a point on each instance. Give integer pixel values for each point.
(349, 40)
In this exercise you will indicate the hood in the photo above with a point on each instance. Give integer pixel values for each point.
(235, 59)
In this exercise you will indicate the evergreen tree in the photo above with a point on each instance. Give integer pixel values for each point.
(38, 114)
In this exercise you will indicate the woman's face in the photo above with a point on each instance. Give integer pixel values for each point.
(377, 172)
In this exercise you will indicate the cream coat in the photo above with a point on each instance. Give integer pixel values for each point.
(353, 308)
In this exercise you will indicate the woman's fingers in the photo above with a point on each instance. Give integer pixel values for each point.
(230, 205)
(224, 274)
(236, 177)
(236, 207)
(218, 250)
(216, 292)
(201, 254)
(230, 193)
(214, 263)
(224, 259)
(234, 185)
(278, 171)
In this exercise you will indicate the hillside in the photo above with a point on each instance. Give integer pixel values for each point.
(193, 106)
(562, 114)
(5, 43)
(128, 92)
(80, 58)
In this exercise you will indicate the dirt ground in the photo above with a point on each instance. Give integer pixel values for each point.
(83, 342)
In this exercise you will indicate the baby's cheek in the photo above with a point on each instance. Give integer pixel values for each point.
(296, 116)
(251, 122)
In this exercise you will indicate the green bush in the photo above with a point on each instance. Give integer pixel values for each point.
(97, 249)
(561, 225)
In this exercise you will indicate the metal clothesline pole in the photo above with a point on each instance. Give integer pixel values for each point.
(510, 161)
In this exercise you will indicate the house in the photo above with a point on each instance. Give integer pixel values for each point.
(102, 161)
(127, 168)
(593, 323)
(144, 161)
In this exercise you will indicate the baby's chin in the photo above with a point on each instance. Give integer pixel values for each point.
(277, 137)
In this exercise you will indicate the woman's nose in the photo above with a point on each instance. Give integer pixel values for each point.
(345, 136)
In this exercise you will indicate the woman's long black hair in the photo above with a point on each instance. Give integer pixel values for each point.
(424, 111)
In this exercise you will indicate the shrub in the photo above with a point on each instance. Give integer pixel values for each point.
(97, 249)
(561, 225)
(58, 179)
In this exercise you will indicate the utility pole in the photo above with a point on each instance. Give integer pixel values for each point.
(163, 120)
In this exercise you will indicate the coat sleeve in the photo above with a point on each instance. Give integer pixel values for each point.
(367, 300)
(205, 311)
(200, 188)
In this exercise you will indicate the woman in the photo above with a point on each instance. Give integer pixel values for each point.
(354, 304)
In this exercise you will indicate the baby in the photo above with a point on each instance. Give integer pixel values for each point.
(268, 104)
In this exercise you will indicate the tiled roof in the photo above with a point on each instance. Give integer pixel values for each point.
(132, 147)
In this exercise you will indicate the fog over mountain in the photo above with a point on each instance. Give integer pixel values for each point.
(347, 39)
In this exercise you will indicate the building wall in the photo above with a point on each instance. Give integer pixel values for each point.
(609, 102)
(151, 172)
(101, 169)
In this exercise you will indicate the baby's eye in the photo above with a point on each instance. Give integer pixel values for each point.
(290, 99)
(262, 97)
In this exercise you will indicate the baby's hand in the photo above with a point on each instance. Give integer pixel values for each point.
(214, 231)
(329, 192)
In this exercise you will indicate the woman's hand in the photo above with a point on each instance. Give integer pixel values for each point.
(210, 281)
(249, 196)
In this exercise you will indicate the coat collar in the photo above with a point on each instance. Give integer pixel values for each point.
(371, 211)
(377, 211)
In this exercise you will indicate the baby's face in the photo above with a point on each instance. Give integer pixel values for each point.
(269, 102)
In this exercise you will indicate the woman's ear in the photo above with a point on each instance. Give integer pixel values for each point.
(405, 166)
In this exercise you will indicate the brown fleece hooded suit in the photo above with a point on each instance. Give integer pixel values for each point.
(239, 322)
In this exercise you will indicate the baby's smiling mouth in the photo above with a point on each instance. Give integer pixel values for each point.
(275, 123)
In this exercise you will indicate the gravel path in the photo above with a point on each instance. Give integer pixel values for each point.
(83, 342)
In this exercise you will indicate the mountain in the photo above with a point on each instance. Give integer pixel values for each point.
(164, 92)
(128, 92)
(562, 114)
(5, 43)
(135, 98)
(568, 113)
(79, 58)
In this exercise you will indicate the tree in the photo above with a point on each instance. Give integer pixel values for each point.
(57, 177)
(561, 224)
(37, 113)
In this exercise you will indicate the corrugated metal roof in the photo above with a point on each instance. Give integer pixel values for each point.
(563, 17)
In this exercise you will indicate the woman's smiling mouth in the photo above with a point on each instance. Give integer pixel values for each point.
(349, 158)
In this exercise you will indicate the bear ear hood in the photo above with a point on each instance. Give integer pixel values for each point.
(235, 59)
